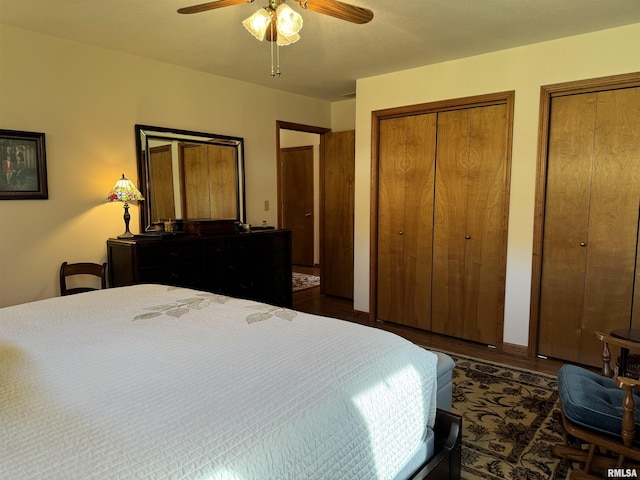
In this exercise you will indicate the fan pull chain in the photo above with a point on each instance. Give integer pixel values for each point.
(274, 44)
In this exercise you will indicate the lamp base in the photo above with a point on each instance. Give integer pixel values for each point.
(127, 218)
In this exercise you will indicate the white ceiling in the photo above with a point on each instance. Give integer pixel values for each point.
(331, 53)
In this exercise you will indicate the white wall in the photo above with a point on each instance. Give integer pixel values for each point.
(524, 70)
(87, 101)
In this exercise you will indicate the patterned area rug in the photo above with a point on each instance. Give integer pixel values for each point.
(511, 421)
(302, 281)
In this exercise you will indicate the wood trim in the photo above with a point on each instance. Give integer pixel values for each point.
(299, 127)
(443, 105)
(547, 93)
(321, 212)
(507, 98)
(513, 349)
(373, 220)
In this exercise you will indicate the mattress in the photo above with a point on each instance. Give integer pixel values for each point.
(157, 382)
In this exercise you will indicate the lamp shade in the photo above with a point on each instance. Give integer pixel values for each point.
(289, 22)
(258, 23)
(124, 191)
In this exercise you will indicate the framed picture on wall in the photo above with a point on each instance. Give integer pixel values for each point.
(23, 166)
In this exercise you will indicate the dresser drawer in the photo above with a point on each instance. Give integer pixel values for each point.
(187, 275)
(168, 254)
(216, 250)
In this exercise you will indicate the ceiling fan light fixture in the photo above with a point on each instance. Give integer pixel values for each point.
(258, 23)
(283, 40)
(289, 22)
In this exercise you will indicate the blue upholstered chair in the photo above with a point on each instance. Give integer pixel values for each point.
(602, 425)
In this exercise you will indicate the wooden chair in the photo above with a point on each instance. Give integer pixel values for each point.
(84, 268)
(602, 425)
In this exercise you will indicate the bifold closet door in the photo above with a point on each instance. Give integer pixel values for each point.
(405, 219)
(590, 237)
(208, 181)
(470, 224)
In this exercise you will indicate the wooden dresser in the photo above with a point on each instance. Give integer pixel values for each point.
(254, 265)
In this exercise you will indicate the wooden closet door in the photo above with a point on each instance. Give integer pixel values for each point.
(470, 223)
(338, 176)
(566, 226)
(405, 219)
(591, 222)
(449, 242)
(613, 219)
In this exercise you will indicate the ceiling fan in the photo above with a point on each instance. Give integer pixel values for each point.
(279, 24)
(333, 8)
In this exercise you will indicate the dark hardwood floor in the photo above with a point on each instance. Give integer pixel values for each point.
(312, 301)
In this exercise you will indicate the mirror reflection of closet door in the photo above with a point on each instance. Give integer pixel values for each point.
(208, 175)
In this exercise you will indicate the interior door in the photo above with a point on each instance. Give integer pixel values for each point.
(405, 219)
(297, 201)
(337, 213)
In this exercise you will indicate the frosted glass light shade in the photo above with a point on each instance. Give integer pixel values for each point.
(282, 40)
(258, 23)
(289, 22)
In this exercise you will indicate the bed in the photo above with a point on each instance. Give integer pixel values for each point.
(158, 382)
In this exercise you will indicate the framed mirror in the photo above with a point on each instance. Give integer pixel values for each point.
(187, 175)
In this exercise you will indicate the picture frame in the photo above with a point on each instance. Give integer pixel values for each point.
(23, 165)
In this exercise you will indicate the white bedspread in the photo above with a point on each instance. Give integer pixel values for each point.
(155, 382)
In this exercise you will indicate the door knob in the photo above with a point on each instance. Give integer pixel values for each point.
(467, 237)
(307, 214)
(582, 244)
(400, 232)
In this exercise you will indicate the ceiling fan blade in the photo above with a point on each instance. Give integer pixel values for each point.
(337, 9)
(211, 6)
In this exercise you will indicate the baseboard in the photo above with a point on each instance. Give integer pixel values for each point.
(513, 349)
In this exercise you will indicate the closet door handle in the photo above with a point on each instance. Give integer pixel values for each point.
(582, 244)
(400, 232)
(468, 237)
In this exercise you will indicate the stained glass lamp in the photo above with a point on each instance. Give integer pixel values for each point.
(124, 191)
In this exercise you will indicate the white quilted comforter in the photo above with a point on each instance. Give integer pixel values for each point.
(156, 382)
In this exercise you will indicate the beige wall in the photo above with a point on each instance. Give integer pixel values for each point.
(87, 101)
(524, 70)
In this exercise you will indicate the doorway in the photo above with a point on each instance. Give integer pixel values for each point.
(295, 143)
(333, 199)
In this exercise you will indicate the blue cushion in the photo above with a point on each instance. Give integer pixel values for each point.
(593, 401)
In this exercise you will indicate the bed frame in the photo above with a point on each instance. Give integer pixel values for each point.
(446, 460)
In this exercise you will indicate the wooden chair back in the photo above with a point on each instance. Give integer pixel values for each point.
(82, 268)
